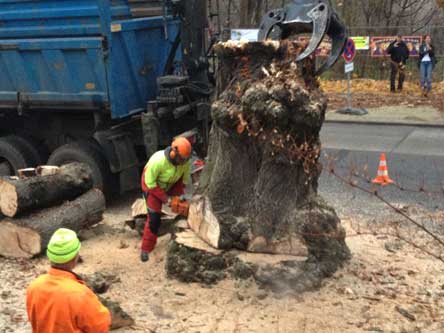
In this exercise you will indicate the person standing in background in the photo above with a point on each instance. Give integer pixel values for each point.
(427, 61)
(399, 53)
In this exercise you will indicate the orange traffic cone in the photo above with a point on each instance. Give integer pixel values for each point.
(383, 177)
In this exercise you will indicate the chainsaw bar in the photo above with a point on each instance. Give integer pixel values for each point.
(307, 16)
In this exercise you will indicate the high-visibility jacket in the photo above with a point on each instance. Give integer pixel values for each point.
(60, 302)
(160, 172)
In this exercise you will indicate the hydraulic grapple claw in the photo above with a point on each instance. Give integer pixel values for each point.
(307, 16)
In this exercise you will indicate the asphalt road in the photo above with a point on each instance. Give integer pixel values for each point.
(415, 157)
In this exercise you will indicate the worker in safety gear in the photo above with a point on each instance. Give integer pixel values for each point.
(165, 175)
(60, 302)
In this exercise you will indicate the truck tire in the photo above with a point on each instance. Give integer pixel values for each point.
(28, 148)
(5, 169)
(85, 152)
(13, 154)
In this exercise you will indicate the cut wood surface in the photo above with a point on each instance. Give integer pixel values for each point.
(189, 239)
(46, 170)
(138, 208)
(18, 196)
(29, 235)
(27, 173)
(204, 222)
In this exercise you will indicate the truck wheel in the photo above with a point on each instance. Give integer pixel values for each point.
(12, 156)
(5, 169)
(86, 153)
(28, 148)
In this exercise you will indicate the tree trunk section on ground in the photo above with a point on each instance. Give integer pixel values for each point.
(29, 235)
(258, 191)
(18, 196)
(119, 318)
(190, 259)
(27, 173)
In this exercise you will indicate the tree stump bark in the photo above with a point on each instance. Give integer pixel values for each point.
(28, 236)
(190, 259)
(18, 196)
(119, 318)
(258, 191)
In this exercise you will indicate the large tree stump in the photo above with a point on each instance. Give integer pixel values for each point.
(18, 196)
(258, 191)
(29, 235)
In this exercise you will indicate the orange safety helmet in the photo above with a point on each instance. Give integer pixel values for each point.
(182, 147)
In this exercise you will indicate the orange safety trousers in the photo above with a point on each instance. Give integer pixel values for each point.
(154, 200)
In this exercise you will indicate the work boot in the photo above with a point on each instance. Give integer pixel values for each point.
(144, 256)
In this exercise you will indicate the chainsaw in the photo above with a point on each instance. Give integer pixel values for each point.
(180, 206)
(317, 17)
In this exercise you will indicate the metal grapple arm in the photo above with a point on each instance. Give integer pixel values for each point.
(307, 16)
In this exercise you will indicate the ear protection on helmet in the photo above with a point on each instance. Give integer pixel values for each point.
(174, 152)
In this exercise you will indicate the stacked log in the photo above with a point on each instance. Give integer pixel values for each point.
(34, 206)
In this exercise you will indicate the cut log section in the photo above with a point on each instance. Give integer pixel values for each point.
(23, 195)
(138, 208)
(119, 318)
(26, 173)
(28, 236)
(139, 215)
(47, 170)
(100, 282)
(190, 259)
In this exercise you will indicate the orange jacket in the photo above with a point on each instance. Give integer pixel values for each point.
(59, 302)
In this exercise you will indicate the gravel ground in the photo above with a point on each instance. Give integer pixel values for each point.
(387, 286)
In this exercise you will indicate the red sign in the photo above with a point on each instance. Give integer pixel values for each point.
(349, 51)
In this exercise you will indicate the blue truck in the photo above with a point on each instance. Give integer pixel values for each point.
(103, 82)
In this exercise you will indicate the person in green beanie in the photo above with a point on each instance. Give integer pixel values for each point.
(60, 302)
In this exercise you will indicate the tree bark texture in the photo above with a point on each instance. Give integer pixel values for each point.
(190, 259)
(18, 196)
(29, 235)
(119, 318)
(258, 191)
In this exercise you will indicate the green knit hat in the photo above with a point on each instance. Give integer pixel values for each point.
(63, 246)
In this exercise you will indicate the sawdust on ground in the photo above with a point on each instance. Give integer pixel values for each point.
(400, 290)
